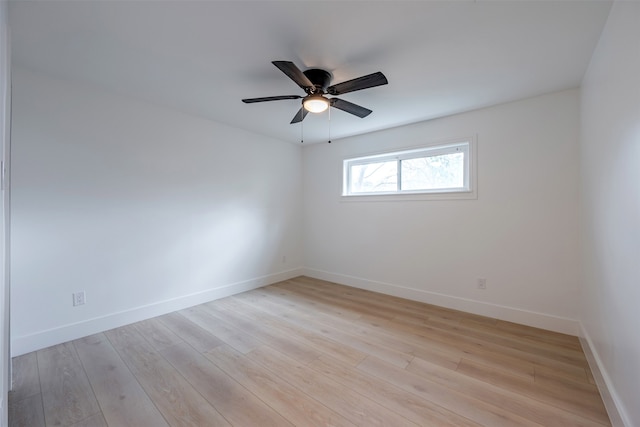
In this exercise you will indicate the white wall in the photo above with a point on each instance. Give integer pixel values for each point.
(146, 209)
(521, 233)
(610, 161)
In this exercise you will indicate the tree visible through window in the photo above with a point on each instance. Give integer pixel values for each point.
(435, 172)
(441, 168)
(374, 177)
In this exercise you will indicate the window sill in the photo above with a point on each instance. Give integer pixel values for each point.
(401, 197)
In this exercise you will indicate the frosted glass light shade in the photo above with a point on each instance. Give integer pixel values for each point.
(316, 104)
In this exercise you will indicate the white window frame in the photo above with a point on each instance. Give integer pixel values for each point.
(467, 191)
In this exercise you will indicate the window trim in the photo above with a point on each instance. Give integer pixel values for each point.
(469, 191)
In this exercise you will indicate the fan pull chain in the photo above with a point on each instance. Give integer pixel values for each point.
(329, 125)
(302, 129)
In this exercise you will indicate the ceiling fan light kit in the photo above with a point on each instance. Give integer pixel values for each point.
(315, 82)
(315, 103)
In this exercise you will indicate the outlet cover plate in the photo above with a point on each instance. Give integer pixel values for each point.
(79, 298)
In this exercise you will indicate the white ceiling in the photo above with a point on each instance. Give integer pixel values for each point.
(203, 57)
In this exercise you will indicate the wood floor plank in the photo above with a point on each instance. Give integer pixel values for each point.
(368, 302)
(481, 327)
(420, 411)
(473, 409)
(224, 331)
(240, 326)
(348, 403)
(157, 334)
(490, 351)
(454, 347)
(354, 300)
(27, 412)
(175, 398)
(338, 330)
(530, 339)
(294, 300)
(123, 401)
(579, 374)
(448, 350)
(199, 338)
(291, 402)
(446, 358)
(260, 312)
(544, 349)
(96, 420)
(237, 404)
(66, 393)
(416, 311)
(577, 400)
(227, 309)
(357, 299)
(342, 300)
(505, 398)
(511, 363)
(557, 338)
(28, 383)
(399, 342)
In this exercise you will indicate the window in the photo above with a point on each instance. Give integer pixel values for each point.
(442, 169)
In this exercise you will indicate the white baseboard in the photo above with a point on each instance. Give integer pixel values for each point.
(617, 414)
(28, 343)
(510, 314)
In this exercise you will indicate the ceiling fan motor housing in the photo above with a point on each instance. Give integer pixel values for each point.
(320, 78)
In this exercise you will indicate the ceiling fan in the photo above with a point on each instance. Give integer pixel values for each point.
(315, 82)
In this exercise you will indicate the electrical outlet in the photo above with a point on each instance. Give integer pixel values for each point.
(79, 298)
(482, 283)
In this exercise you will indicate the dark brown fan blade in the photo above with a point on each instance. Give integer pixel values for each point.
(270, 98)
(294, 73)
(350, 107)
(364, 82)
(300, 115)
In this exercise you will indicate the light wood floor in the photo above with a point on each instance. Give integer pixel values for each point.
(310, 353)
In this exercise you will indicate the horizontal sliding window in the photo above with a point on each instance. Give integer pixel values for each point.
(443, 168)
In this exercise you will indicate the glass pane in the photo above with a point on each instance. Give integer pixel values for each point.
(374, 177)
(434, 172)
